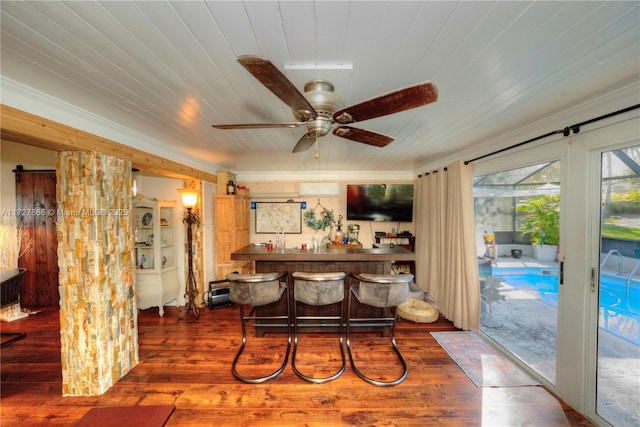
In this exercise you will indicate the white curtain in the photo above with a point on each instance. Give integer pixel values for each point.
(446, 259)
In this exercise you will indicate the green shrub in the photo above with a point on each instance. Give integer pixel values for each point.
(541, 219)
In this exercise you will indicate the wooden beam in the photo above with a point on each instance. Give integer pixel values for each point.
(26, 128)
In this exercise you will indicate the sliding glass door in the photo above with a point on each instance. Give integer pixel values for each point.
(615, 288)
(518, 235)
(575, 323)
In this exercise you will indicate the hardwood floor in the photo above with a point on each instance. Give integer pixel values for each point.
(187, 363)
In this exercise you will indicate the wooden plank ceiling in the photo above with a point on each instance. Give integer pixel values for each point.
(166, 71)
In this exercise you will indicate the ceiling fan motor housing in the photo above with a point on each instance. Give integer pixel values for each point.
(320, 126)
(321, 96)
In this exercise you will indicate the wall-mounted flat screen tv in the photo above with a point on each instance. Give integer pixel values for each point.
(380, 202)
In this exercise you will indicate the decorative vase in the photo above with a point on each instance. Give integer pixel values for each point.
(318, 241)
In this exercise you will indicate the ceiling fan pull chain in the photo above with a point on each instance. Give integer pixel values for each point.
(317, 155)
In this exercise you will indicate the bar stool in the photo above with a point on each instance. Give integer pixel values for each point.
(318, 289)
(382, 291)
(258, 290)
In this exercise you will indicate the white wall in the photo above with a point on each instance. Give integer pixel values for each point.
(208, 226)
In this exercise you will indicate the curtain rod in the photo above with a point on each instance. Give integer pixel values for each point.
(435, 171)
(566, 132)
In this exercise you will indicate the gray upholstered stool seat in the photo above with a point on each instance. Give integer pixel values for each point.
(257, 290)
(318, 289)
(385, 292)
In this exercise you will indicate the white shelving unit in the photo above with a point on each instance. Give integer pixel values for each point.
(157, 281)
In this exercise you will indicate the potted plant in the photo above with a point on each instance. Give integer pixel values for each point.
(541, 220)
(318, 224)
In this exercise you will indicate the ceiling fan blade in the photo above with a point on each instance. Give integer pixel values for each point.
(267, 74)
(305, 143)
(259, 125)
(394, 102)
(364, 136)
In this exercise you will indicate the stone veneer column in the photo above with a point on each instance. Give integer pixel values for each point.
(98, 312)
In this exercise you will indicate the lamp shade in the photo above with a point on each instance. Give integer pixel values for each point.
(189, 197)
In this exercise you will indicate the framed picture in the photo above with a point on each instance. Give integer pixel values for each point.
(273, 217)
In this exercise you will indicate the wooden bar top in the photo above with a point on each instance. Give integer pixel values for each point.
(261, 253)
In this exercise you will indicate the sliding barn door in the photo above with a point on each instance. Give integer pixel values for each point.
(36, 214)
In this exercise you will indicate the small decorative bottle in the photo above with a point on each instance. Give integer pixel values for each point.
(338, 238)
(231, 187)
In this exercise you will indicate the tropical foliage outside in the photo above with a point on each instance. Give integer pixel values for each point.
(540, 218)
(619, 208)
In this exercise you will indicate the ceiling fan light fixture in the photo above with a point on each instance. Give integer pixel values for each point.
(320, 94)
(318, 85)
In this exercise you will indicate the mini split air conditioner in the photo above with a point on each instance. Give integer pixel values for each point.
(319, 189)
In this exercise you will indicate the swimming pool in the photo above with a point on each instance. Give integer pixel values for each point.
(542, 283)
(619, 304)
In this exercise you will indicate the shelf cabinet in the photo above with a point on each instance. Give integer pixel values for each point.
(232, 232)
(407, 242)
(157, 281)
(403, 241)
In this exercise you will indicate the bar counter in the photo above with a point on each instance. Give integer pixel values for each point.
(348, 260)
(383, 255)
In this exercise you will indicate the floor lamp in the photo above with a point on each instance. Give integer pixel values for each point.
(189, 199)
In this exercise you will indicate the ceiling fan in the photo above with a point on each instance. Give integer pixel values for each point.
(319, 108)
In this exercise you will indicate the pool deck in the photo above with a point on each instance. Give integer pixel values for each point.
(525, 261)
(527, 329)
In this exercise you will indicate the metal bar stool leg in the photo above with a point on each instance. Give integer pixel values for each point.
(243, 292)
(395, 286)
(15, 336)
(318, 289)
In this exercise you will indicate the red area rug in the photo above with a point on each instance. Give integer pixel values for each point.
(127, 416)
(485, 365)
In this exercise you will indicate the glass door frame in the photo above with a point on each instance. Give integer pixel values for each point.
(552, 150)
(579, 249)
(595, 152)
